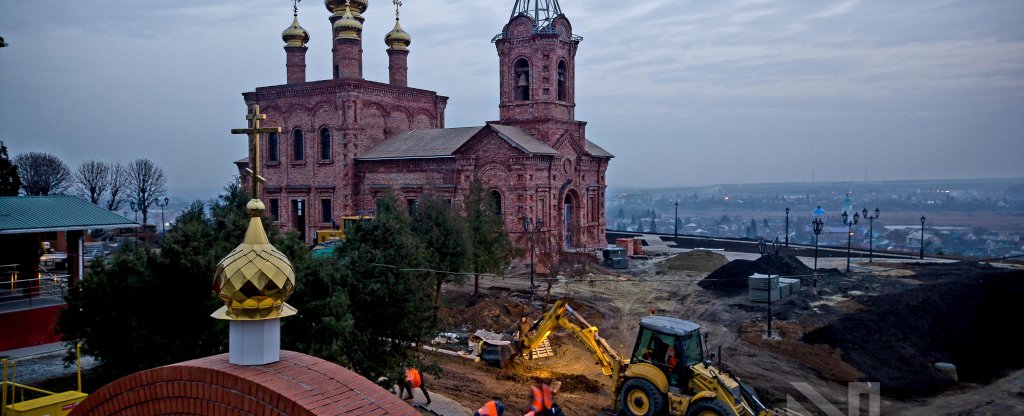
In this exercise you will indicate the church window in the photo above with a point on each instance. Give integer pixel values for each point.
(325, 210)
(411, 203)
(562, 75)
(496, 202)
(275, 209)
(297, 144)
(325, 144)
(272, 155)
(522, 72)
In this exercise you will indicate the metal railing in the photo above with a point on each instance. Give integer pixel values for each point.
(46, 288)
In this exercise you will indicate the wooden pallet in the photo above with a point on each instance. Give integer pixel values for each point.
(542, 350)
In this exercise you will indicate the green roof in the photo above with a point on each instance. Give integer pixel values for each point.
(29, 214)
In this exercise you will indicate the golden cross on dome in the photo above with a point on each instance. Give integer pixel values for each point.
(397, 3)
(295, 7)
(254, 132)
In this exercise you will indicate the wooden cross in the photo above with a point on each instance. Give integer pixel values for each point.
(254, 132)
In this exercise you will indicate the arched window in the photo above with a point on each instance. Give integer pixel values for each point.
(272, 147)
(325, 144)
(297, 146)
(522, 71)
(495, 200)
(562, 76)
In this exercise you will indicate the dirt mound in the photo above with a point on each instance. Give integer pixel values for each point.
(898, 337)
(493, 314)
(570, 382)
(732, 277)
(695, 261)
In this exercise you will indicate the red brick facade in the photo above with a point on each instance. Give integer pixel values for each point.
(549, 172)
(298, 385)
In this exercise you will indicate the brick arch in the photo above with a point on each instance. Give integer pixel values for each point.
(297, 385)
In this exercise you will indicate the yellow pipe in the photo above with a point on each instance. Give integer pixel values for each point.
(78, 362)
(30, 388)
(3, 387)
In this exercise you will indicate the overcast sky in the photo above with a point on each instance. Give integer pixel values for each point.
(682, 92)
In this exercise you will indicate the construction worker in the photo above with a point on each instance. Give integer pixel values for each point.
(412, 381)
(492, 408)
(543, 403)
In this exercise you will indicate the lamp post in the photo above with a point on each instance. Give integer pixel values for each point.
(923, 219)
(163, 223)
(527, 221)
(787, 226)
(817, 225)
(135, 208)
(676, 233)
(871, 233)
(849, 234)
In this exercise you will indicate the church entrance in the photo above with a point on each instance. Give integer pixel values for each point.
(569, 225)
(299, 217)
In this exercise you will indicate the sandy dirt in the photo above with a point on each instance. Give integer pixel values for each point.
(614, 302)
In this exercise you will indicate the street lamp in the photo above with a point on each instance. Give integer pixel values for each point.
(527, 221)
(923, 219)
(787, 226)
(163, 224)
(676, 233)
(871, 233)
(849, 234)
(135, 208)
(818, 225)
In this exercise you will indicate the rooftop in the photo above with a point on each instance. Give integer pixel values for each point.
(30, 214)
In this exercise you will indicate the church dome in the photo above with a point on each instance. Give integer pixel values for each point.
(347, 27)
(255, 278)
(337, 7)
(295, 35)
(397, 39)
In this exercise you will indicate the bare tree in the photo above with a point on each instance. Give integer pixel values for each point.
(43, 173)
(118, 186)
(147, 183)
(93, 180)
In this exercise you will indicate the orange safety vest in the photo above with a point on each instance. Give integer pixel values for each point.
(542, 398)
(413, 377)
(490, 409)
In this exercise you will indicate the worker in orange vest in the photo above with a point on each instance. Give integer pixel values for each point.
(492, 408)
(412, 381)
(543, 403)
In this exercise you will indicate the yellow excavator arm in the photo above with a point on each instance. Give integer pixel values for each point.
(558, 315)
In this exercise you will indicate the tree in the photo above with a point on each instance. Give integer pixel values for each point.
(654, 227)
(390, 302)
(753, 228)
(42, 173)
(444, 237)
(146, 183)
(118, 186)
(492, 250)
(622, 214)
(765, 223)
(10, 181)
(93, 180)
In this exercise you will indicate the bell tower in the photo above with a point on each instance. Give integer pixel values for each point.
(537, 61)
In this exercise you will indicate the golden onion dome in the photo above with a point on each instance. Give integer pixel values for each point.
(295, 35)
(398, 39)
(337, 7)
(347, 27)
(255, 278)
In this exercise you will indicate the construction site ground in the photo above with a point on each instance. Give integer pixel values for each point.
(852, 341)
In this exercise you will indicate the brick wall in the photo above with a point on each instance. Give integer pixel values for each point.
(297, 385)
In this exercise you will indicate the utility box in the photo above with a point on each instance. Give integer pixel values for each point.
(615, 257)
(59, 404)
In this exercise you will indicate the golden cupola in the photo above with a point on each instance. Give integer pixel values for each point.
(356, 7)
(255, 278)
(347, 27)
(295, 35)
(398, 39)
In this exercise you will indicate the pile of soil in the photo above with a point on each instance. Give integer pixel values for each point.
(964, 320)
(493, 314)
(695, 261)
(732, 278)
(570, 382)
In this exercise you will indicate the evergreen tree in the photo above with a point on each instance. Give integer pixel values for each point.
(753, 228)
(10, 181)
(444, 237)
(654, 227)
(765, 223)
(622, 213)
(492, 251)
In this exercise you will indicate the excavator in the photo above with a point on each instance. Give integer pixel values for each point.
(667, 373)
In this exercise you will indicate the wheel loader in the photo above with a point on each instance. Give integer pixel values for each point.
(667, 372)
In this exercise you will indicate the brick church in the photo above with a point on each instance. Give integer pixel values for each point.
(345, 140)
